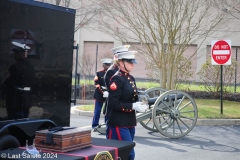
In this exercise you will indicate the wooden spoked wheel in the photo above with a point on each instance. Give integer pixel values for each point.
(175, 114)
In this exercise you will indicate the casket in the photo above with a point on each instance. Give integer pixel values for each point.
(63, 139)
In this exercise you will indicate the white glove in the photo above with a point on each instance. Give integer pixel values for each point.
(140, 107)
(105, 94)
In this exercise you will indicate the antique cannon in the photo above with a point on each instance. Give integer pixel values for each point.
(172, 113)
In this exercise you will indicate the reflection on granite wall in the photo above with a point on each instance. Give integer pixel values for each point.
(49, 31)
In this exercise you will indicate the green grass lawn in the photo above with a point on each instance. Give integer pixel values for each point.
(148, 84)
(211, 108)
(207, 108)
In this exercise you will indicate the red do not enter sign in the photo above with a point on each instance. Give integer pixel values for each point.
(221, 52)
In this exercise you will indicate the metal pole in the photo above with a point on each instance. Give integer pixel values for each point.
(75, 89)
(96, 58)
(235, 81)
(221, 89)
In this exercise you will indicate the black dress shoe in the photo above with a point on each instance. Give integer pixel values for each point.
(95, 128)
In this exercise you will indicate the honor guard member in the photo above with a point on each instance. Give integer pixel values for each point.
(17, 85)
(100, 93)
(111, 71)
(123, 101)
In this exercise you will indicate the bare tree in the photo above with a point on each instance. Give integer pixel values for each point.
(106, 55)
(58, 2)
(86, 65)
(64, 3)
(210, 76)
(230, 7)
(164, 28)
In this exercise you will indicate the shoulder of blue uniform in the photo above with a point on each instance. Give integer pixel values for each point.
(117, 73)
(112, 72)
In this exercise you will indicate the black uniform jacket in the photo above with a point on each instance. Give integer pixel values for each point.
(99, 81)
(122, 93)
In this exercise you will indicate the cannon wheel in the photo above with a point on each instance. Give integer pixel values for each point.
(175, 117)
(152, 92)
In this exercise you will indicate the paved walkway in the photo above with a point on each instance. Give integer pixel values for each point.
(200, 122)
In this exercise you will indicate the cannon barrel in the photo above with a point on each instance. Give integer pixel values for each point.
(151, 101)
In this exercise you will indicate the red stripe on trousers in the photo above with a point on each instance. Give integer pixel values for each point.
(110, 134)
(118, 133)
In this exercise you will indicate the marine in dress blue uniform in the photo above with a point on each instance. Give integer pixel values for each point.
(99, 91)
(111, 71)
(108, 75)
(122, 101)
(17, 85)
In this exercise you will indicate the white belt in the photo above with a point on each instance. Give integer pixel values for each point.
(24, 88)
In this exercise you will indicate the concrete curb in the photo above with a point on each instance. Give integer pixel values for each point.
(200, 122)
(74, 110)
(218, 122)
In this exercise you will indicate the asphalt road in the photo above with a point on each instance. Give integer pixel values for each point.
(202, 143)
